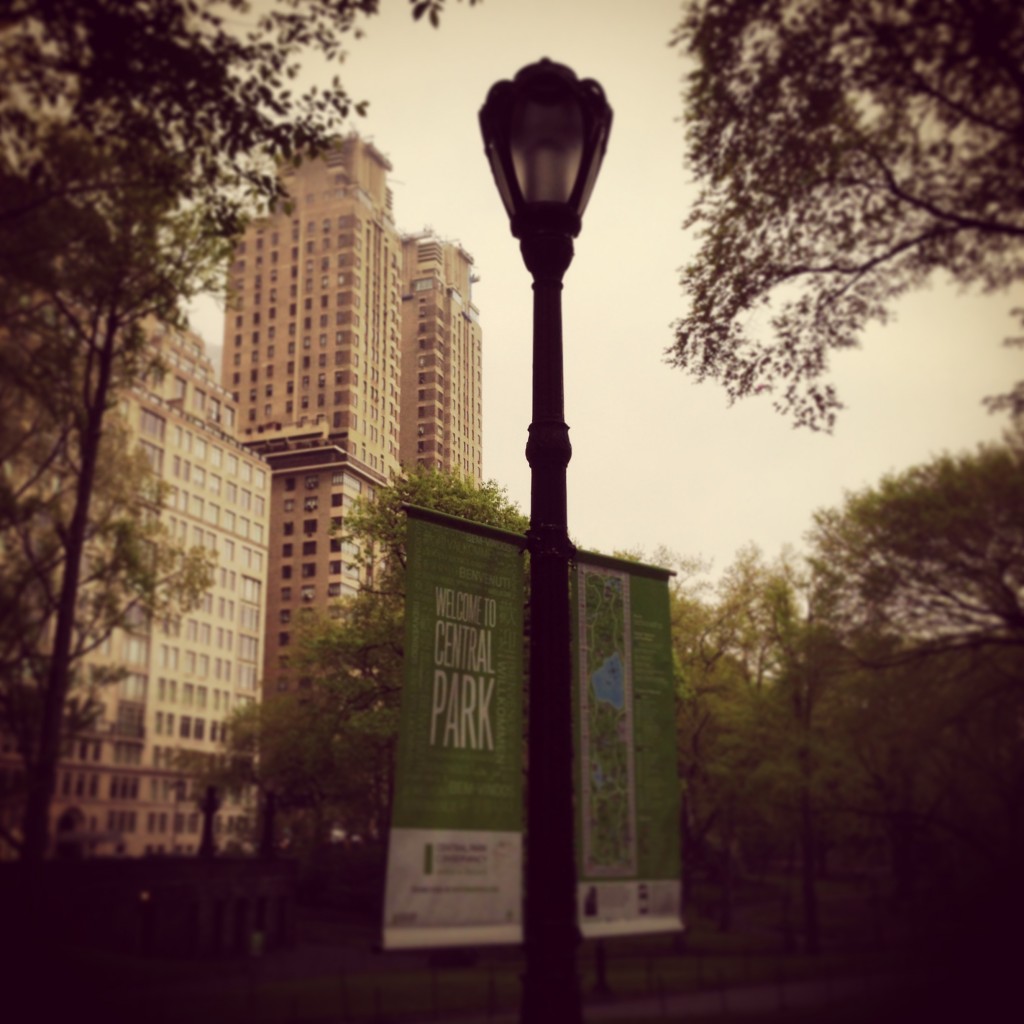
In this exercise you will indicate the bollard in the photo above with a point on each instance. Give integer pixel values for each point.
(345, 1010)
(601, 969)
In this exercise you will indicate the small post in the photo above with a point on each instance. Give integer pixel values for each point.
(209, 807)
(601, 969)
(267, 831)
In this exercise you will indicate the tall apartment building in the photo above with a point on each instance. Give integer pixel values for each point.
(441, 418)
(322, 295)
(120, 787)
(311, 338)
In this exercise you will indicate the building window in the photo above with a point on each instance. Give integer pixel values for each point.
(152, 425)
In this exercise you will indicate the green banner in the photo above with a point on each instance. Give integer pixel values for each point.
(629, 864)
(455, 849)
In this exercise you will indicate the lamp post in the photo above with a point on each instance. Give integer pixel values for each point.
(545, 134)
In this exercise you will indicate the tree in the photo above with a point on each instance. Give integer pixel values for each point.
(932, 559)
(760, 755)
(303, 751)
(132, 571)
(848, 151)
(133, 139)
(927, 573)
(377, 526)
(349, 666)
(79, 281)
(202, 86)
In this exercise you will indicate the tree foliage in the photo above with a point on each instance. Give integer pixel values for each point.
(848, 151)
(328, 749)
(204, 87)
(134, 139)
(932, 559)
(82, 273)
(131, 572)
(377, 527)
(760, 760)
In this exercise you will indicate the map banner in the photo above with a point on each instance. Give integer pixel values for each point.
(629, 864)
(454, 872)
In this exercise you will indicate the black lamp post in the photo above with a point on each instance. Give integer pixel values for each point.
(545, 134)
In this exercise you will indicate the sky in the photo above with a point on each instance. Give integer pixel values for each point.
(658, 460)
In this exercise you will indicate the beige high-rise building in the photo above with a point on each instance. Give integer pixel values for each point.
(311, 338)
(441, 421)
(314, 349)
(312, 356)
(121, 786)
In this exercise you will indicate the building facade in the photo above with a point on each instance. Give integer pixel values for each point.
(310, 566)
(441, 416)
(312, 336)
(349, 352)
(121, 785)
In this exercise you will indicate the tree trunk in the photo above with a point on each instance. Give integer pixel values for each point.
(43, 766)
(685, 846)
(728, 889)
(809, 890)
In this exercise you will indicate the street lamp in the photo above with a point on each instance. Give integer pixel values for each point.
(545, 134)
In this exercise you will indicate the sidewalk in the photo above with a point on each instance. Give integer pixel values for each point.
(750, 1000)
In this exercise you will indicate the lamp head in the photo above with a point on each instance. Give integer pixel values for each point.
(545, 134)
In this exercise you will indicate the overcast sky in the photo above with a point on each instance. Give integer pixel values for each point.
(657, 459)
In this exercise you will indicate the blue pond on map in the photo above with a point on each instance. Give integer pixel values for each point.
(609, 682)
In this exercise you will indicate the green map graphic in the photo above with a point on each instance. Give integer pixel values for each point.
(606, 725)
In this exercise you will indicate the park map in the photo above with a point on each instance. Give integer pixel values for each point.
(606, 725)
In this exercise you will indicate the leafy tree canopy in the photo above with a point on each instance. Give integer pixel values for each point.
(203, 86)
(84, 271)
(377, 526)
(932, 559)
(847, 151)
(327, 750)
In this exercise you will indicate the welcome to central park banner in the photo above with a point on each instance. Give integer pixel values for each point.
(454, 873)
(627, 798)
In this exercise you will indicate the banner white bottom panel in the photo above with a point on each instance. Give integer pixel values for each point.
(633, 907)
(452, 888)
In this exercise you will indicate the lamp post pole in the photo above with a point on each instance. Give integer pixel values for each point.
(545, 134)
(551, 982)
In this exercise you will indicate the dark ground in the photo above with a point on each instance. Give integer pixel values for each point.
(877, 965)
